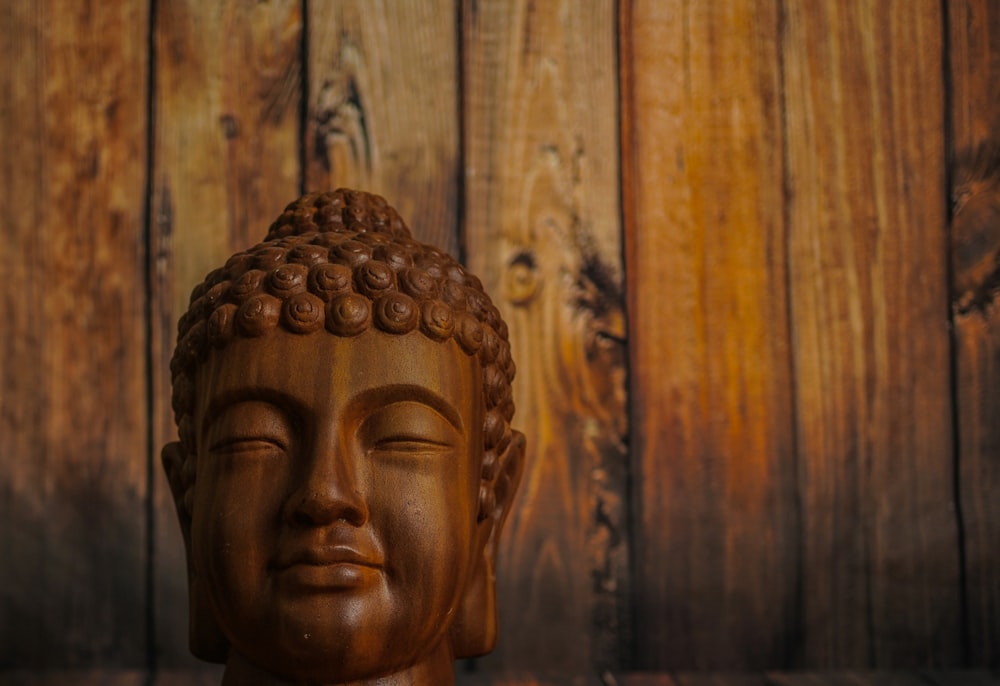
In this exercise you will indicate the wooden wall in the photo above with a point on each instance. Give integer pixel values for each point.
(748, 253)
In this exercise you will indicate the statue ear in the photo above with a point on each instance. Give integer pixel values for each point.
(205, 639)
(474, 631)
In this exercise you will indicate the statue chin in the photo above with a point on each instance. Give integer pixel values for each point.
(346, 460)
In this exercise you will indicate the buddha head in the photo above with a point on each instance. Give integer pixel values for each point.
(346, 461)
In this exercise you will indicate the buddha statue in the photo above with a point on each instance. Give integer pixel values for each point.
(346, 461)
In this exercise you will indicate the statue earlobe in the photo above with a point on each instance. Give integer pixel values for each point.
(205, 639)
(474, 631)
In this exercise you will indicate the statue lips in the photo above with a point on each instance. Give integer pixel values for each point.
(328, 568)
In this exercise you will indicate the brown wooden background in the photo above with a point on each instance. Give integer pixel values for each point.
(748, 252)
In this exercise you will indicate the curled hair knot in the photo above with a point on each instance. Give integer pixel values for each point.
(436, 320)
(454, 294)
(307, 254)
(222, 325)
(494, 383)
(248, 283)
(373, 278)
(268, 257)
(396, 313)
(348, 315)
(352, 252)
(418, 283)
(237, 265)
(303, 313)
(393, 254)
(469, 333)
(258, 315)
(490, 347)
(287, 280)
(329, 280)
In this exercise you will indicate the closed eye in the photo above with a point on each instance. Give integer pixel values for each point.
(408, 428)
(246, 445)
(410, 444)
(250, 427)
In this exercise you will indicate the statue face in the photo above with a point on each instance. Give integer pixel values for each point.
(334, 518)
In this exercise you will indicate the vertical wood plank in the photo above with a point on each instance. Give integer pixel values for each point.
(73, 417)
(542, 230)
(383, 107)
(227, 97)
(714, 468)
(866, 206)
(974, 61)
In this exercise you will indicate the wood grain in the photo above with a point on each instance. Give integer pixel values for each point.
(227, 97)
(838, 678)
(73, 416)
(502, 679)
(383, 108)
(974, 68)
(866, 207)
(846, 678)
(716, 534)
(542, 230)
(92, 677)
(965, 677)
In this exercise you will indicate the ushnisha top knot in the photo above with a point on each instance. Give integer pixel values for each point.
(344, 262)
(342, 210)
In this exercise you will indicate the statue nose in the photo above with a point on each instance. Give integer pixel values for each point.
(328, 493)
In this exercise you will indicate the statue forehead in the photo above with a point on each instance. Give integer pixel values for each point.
(322, 370)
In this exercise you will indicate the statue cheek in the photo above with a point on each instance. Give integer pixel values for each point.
(237, 506)
(428, 530)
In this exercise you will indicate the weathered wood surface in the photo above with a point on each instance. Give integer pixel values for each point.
(978, 677)
(227, 96)
(212, 678)
(717, 524)
(542, 230)
(786, 193)
(383, 107)
(866, 213)
(73, 382)
(859, 679)
(974, 67)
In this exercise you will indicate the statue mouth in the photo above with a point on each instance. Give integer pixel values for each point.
(319, 568)
(324, 556)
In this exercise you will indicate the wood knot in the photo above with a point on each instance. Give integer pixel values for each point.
(230, 126)
(523, 281)
(975, 230)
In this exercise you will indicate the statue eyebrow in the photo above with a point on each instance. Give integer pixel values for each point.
(371, 400)
(365, 403)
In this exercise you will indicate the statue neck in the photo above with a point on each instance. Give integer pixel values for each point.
(436, 670)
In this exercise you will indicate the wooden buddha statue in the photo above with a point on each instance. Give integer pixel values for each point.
(346, 460)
